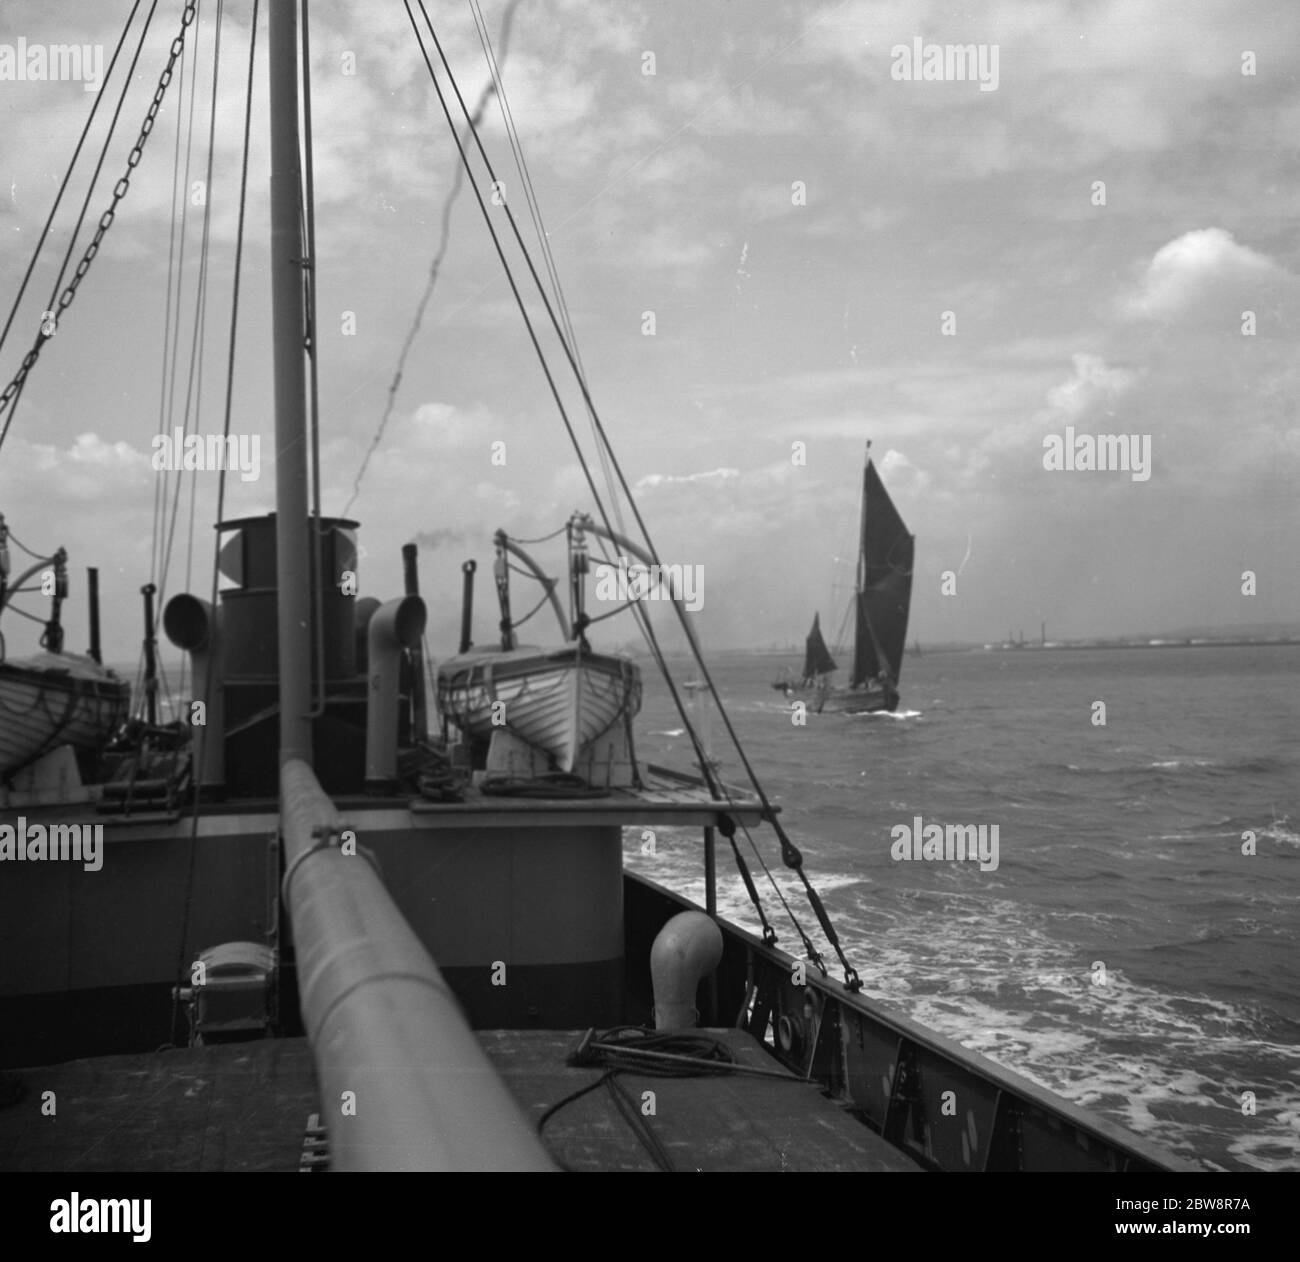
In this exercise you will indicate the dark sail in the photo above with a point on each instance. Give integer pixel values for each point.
(884, 585)
(817, 659)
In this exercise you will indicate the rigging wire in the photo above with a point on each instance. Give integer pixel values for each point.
(67, 175)
(198, 760)
(162, 541)
(532, 334)
(13, 391)
(99, 165)
(435, 267)
(160, 484)
(194, 383)
(543, 238)
(641, 616)
(790, 853)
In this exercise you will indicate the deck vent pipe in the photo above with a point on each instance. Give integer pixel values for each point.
(687, 950)
(362, 612)
(191, 624)
(394, 626)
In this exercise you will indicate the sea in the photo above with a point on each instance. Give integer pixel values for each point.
(1129, 952)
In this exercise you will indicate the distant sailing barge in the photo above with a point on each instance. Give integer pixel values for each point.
(881, 601)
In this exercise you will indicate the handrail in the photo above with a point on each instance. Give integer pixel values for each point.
(404, 1084)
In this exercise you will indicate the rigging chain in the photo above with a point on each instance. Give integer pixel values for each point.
(67, 175)
(120, 189)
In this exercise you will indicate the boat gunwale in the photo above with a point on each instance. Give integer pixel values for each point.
(1023, 1090)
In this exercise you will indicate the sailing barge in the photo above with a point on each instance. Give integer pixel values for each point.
(290, 907)
(881, 601)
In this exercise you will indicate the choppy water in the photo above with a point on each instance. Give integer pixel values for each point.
(1119, 845)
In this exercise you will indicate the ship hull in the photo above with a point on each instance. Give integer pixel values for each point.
(822, 698)
(859, 701)
(558, 700)
(56, 699)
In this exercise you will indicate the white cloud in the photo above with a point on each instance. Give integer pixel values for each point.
(652, 480)
(1206, 271)
(1094, 386)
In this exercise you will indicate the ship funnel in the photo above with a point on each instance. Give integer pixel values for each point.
(687, 950)
(191, 624)
(393, 627)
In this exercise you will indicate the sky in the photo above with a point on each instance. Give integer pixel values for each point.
(775, 242)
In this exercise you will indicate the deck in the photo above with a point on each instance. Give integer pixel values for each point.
(247, 1106)
(666, 797)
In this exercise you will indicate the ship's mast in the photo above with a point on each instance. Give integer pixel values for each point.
(289, 339)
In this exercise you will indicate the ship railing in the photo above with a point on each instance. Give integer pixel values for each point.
(403, 1083)
(946, 1106)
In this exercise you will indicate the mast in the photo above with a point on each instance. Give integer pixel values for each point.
(859, 612)
(289, 338)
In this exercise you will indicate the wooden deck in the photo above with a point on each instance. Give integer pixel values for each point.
(233, 1106)
(734, 1123)
(666, 797)
(246, 1106)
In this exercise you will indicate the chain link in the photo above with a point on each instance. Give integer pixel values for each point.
(50, 319)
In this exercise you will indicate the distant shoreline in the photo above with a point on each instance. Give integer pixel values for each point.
(1051, 647)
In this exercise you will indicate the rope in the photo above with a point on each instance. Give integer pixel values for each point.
(543, 239)
(160, 484)
(120, 189)
(550, 784)
(545, 600)
(67, 175)
(790, 853)
(544, 539)
(221, 500)
(200, 308)
(644, 622)
(769, 934)
(653, 1054)
(435, 267)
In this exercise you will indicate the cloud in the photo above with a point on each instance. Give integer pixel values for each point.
(1093, 387)
(90, 469)
(901, 473)
(652, 480)
(1205, 271)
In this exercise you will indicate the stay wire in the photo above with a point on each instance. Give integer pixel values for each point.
(790, 853)
(166, 531)
(539, 227)
(644, 621)
(435, 267)
(221, 501)
(67, 175)
(103, 153)
(14, 389)
(160, 484)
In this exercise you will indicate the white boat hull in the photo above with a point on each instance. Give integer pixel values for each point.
(556, 700)
(56, 699)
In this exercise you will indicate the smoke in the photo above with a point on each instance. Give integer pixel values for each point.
(438, 538)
